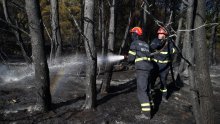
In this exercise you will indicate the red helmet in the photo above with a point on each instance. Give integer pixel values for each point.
(137, 30)
(162, 30)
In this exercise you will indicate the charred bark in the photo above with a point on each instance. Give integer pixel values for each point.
(56, 36)
(91, 55)
(16, 33)
(190, 69)
(187, 43)
(189, 53)
(42, 81)
(111, 39)
(178, 37)
(202, 76)
(131, 3)
(213, 41)
(102, 30)
(125, 35)
(144, 22)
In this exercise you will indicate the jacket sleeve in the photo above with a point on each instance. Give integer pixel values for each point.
(132, 53)
(157, 44)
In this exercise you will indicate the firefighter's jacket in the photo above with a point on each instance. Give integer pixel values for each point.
(166, 51)
(140, 54)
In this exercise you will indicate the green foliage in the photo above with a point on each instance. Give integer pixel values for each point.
(70, 33)
(66, 24)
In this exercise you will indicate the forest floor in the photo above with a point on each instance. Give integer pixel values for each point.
(17, 101)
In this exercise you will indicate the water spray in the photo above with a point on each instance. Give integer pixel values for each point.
(111, 58)
(114, 58)
(68, 65)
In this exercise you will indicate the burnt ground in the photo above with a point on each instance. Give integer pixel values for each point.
(17, 101)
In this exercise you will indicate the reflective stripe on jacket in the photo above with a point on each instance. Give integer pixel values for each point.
(166, 54)
(140, 54)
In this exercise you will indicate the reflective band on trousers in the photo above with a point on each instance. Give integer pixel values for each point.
(145, 109)
(159, 61)
(132, 53)
(145, 104)
(165, 90)
(142, 58)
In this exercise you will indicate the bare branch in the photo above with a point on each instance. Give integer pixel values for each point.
(142, 4)
(6, 30)
(210, 24)
(185, 2)
(172, 30)
(15, 27)
(169, 22)
(126, 33)
(2, 58)
(77, 25)
(173, 35)
(47, 32)
(80, 31)
(159, 23)
(17, 5)
(146, 2)
(51, 52)
(109, 3)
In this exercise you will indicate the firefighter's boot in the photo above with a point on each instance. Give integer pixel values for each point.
(164, 95)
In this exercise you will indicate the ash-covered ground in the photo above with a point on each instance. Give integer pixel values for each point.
(17, 101)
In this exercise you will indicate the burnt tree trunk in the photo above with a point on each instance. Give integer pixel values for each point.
(82, 21)
(187, 43)
(213, 41)
(80, 36)
(42, 81)
(189, 52)
(178, 37)
(125, 35)
(16, 33)
(56, 36)
(91, 55)
(103, 37)
(144, 27)
(165, 11)
(202, 76)
(128, 26)
(102, 30)
(111, 39)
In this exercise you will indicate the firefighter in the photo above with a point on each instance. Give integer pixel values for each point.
(140, 54)
(162, 60)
